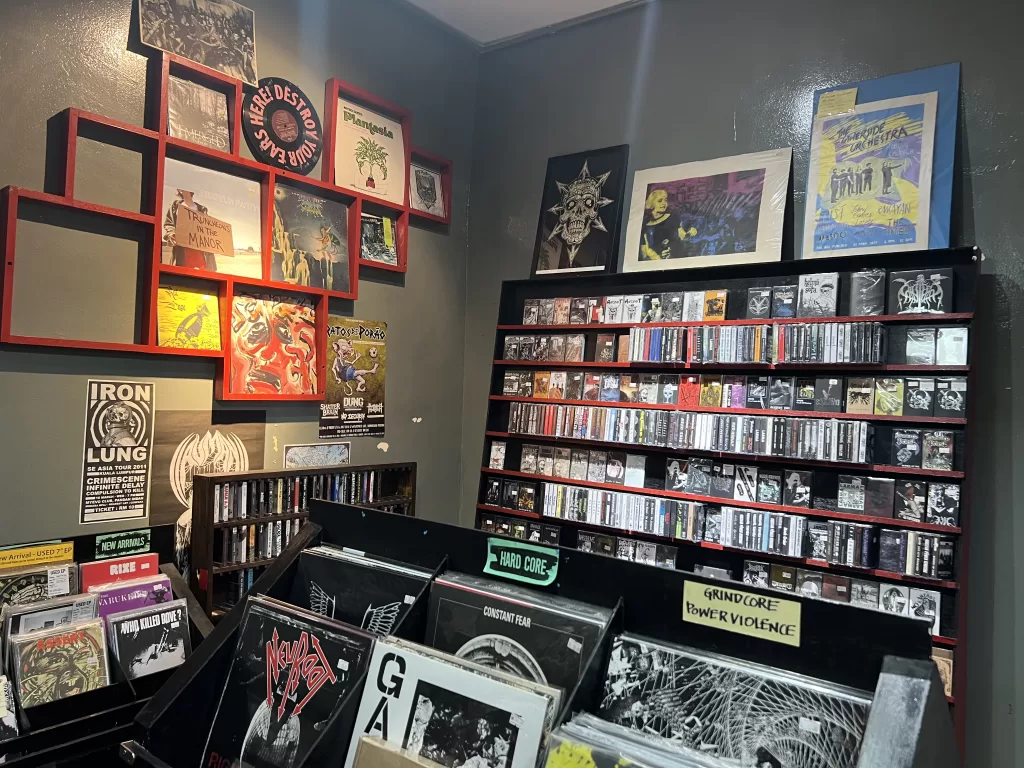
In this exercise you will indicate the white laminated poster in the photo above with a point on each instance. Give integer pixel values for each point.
(440, 711)
(708, 213)
(369, 153)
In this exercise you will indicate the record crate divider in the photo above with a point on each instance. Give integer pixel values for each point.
(964, 261)
(644, 600)
(94, 721)
(205, 568)
(58, 206)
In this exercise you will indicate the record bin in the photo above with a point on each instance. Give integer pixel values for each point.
(868, 650)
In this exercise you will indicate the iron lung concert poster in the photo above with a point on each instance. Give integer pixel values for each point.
(356, 362)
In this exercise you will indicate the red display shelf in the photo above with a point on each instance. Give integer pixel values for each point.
(503, 510)
(553, 364)
(940, 640)
(889, 522)
(768, 321)
(737, 411)
(735, 456)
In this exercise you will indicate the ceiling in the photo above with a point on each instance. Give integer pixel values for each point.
(488, 22)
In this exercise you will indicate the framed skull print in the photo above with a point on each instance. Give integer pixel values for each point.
(580, 212)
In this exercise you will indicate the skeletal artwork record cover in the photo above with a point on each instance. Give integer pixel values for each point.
(151, 640)
(291, 670)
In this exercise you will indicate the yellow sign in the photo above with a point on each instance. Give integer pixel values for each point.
(42, 553)
(837, 102)
(389, 236)
(744, 613)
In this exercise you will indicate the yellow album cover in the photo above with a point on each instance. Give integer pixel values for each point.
(187, 319)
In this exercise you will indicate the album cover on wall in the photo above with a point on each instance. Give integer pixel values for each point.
(219, 34)
(291, 670)
(713, 212)
(150, 640)
(187, 318)
(369, 152)
(378, 238)
(273, 349)
(733, 709)
(581, 208)
(310, 240)
(197, 114)
(426, 192)
(368, 592)
(433, 706)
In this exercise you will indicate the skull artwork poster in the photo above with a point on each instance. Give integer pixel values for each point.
(273, 346)
(580, 212)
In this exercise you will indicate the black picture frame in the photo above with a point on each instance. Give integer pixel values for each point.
(591, 246)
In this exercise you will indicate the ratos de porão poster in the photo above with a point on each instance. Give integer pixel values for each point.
(356, 360)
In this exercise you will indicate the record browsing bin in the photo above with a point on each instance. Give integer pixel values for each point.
(242, 521)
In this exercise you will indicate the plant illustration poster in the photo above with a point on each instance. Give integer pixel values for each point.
(118, 451)
(869, 184)
(356, 362)
(369, 153)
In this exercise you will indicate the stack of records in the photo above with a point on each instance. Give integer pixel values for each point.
(536, 636)
(37, 582)
(46, 614)
(370, 592)
(60, 662)
(124, 596)
(730, 709)
(8, 719)
(451, 711)
(149, 640)
(589, 742)
(291, 671)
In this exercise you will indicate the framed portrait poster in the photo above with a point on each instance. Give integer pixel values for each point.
(580, 211)
(708, 213)
(870, 179)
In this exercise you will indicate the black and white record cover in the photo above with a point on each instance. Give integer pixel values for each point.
(8, 716)
(150, 640)
(290, 672)
(429, 704)
(474, 620)
(352, 590)
(736, 711)
(197, 114)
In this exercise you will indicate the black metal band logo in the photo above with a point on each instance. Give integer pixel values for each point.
(281, 126)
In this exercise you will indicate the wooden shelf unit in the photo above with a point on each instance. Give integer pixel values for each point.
(964, 262)
(58, 206)
(395, 482)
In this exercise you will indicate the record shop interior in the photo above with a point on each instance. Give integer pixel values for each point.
(481, 384)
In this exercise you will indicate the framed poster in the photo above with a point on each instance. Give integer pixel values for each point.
(310, 240)
(356, 362)
(944, 81)
(425, 190)
(317, 455)
(708, 213)
(369, 152)
(219, 34)
(187, 318)
(581, 207)
(869, 184)
(118, 451)
(273, 346)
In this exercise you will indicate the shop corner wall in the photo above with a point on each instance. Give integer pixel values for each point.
(56, 54)
(681, 81)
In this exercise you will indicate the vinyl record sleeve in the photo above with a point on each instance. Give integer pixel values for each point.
(19, 586)
(46, 614)
(129, 595)
(375, 599)
(8, 716)
(150, 640)
(290, 672)
(447, 713)
(61, 662)
(544, 644)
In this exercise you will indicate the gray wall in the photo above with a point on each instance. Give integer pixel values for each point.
(682, 81)
(59, 53)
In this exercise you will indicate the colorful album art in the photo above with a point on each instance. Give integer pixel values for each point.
(211, 221)
(869, 186)
(219, 34)
(378, 239)
(187, 319)
(273, 346)
(356, 362)
(711, 212)
(943, 80)
(580, 210)
(369, 152)
(425, 190)
(310, 244)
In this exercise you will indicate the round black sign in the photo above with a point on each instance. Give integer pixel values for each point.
(281, 126)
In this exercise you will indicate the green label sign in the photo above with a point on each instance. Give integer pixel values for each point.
(521, 561)
(123, 543)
